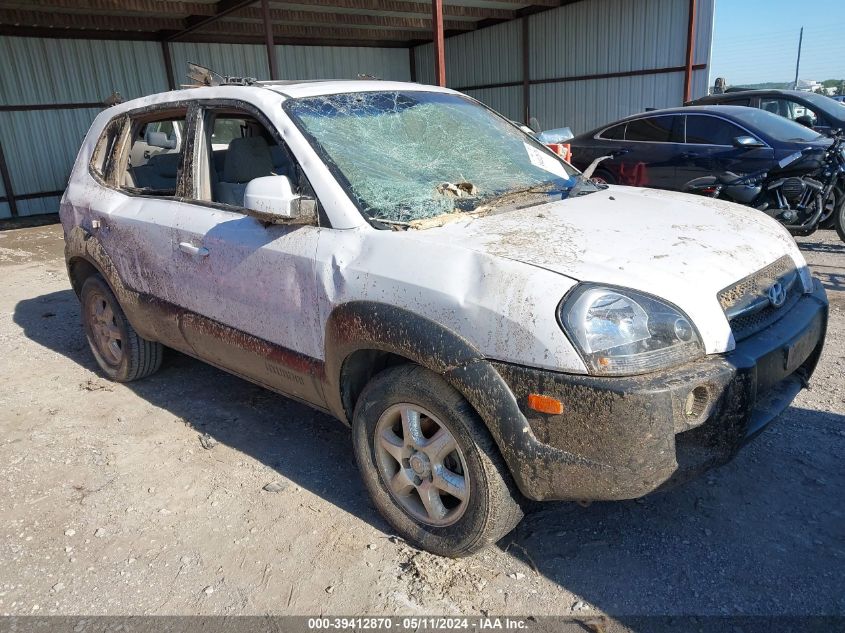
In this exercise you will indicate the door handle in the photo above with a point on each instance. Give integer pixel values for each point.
(199, 252)
(686, 155)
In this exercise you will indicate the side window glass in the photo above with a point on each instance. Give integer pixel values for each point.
(775, 106)
(655, 129)
(708, 130)
(616, 133)
(790, 109)
(155, 155)
(799, 110)
(241, 149)
(739, 102)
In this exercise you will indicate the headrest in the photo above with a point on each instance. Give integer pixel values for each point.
(247, 158)
(159, 139)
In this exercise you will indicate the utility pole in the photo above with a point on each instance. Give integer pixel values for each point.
(798, 62)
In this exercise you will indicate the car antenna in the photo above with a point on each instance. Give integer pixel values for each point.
(201, 76)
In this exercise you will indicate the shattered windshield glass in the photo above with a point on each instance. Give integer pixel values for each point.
(408, 156)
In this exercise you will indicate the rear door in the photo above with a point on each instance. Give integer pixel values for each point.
(138, 205)
(652, 152)
(709, 150)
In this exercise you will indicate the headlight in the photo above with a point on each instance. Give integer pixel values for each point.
(624, 332)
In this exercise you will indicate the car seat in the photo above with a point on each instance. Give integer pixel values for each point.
(246, 159)
(159, 173)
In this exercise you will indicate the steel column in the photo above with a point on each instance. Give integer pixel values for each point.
(268, 39)
(439, 46)
(7, 183)
(168, 65)
(690, 49)
(526, 74)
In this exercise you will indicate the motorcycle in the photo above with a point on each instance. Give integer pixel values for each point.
(799, 195)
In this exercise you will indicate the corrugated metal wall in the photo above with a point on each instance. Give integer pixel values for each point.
(584, 38)
(487, 56)
(581, 39)
(40, 145)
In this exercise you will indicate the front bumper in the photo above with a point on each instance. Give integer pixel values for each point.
(621, 438)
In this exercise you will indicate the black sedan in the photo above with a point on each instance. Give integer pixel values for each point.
(668, 148)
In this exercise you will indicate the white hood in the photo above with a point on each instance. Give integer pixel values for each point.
(679, 247)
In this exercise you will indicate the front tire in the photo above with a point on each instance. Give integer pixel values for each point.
(603, 177)
(120, 351)
(430, 465)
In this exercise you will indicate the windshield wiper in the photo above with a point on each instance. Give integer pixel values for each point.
(584, 178)
(507, 196)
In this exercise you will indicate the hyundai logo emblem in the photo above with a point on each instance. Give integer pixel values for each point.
(777, 295)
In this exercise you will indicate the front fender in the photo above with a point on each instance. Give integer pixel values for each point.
(362, 325)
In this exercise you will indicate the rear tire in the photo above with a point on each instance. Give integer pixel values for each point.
(828, 220)
(119, 350)
(417, 441)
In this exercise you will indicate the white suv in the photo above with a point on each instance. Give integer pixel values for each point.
(491, 324)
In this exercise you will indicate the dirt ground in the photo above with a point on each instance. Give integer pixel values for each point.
(110, 503)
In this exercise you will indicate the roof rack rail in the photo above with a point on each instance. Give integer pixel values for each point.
(202, 76)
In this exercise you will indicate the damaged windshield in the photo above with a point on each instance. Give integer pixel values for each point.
(408, 156)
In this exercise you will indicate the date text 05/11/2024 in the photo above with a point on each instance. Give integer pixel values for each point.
(417, 623)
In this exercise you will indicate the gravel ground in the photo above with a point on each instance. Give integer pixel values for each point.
(112, 502)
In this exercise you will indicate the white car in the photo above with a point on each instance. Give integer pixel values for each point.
(492, 325)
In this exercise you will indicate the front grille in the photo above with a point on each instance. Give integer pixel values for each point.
(746, 325)
(747, 305)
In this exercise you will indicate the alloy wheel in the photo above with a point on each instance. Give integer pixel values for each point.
(422, 465)
(104, 329)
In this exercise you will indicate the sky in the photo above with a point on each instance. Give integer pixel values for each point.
(755, 41)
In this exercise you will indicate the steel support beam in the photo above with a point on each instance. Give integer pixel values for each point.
(221, 10)
(526, 73)
(268, 40)
(439, 45)
(7, 184)
(168, 65)
(690, 51)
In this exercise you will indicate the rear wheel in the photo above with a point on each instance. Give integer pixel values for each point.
(430, 465)
(120, 351)
(835, 199)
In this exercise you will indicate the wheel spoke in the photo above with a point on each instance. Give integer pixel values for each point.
(449, 482)
(108, 315)
(430, 497)
(99, 307)
(400, 484)
(113, 331)
(411, 427)
(440, 445)
(392, 444)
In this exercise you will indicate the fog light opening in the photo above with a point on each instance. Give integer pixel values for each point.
(696, 402)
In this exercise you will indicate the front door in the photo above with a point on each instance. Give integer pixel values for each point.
(709, 150)
(247, 289)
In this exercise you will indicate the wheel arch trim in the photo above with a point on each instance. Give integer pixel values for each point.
(366, 325)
